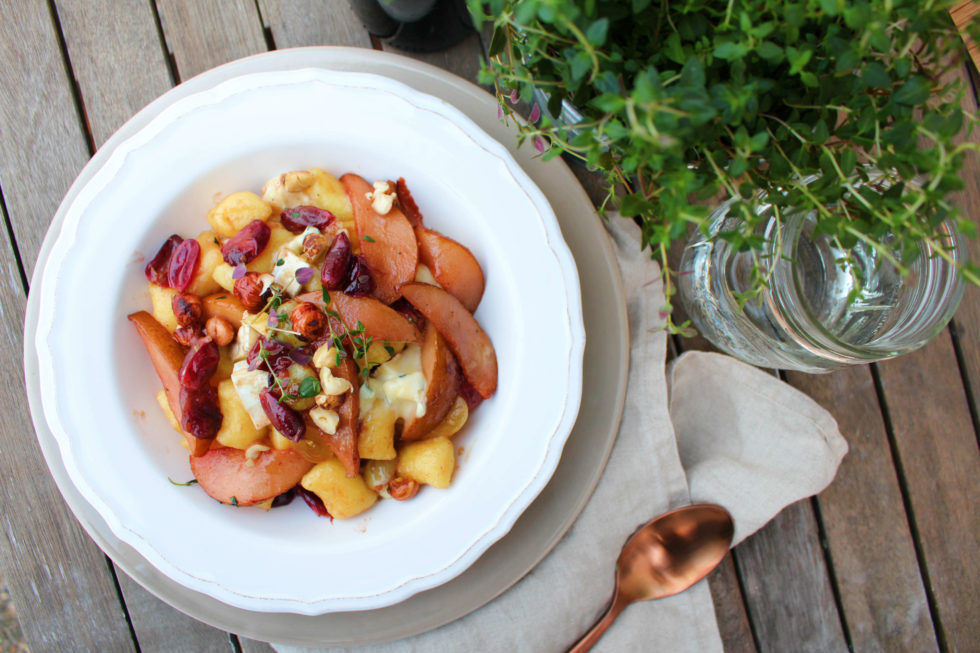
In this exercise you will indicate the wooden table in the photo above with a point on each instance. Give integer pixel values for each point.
(887, 558)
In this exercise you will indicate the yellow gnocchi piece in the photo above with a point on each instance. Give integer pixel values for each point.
(225, 364)
(458, 413)
(237, 210)
(222, 276)
(279, 441)
(165, 405)
(343, 497)
(428, 462)
(278, 236)
(313, 187)
(203, 282)
(162, 301)
(376, 440)
(237, 429)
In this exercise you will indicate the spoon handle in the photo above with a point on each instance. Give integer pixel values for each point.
(590, 638)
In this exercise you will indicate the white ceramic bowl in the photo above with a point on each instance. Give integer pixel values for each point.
(98, 385)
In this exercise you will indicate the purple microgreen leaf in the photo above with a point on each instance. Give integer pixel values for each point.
(535, 113)
(273, 320)
(300, 356)
(238, 272)
(303, 275)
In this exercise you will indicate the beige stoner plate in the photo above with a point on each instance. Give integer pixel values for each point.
(585, 454)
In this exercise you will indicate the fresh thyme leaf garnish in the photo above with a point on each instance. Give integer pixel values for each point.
(309, 387)
(193, 481)
(368, 239)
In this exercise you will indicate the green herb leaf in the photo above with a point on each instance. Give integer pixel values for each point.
(309, 387)
(368, 239)
(193, 481)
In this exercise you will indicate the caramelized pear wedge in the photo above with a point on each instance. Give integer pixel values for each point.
(380, 321)
(452, 265)
(167, 356)
(466, 338)
(441, 385)
(224, 473)
(224, 305)
(387, 241)
(343, 443)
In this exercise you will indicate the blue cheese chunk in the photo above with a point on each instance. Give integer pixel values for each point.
(248, 384)
(285, 274)
(399, 383)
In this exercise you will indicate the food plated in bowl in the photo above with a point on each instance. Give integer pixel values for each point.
(327, 355)
(99, 397)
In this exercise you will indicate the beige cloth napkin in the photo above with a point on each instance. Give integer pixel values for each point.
(732, 457)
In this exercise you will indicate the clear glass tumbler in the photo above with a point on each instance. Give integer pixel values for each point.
(813, 316)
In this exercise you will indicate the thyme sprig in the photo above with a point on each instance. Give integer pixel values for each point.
(684, 102)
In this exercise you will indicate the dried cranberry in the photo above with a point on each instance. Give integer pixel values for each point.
(408, 311)
(314, 502)
(273, 349)
(284, 499)
(336, 263)
(156, 270)
(359, 281)
(200, 414)
(298, 218)
(199, 364)
(248, 243)
(469, 394)
(407, 203)
(183, 264)
(284, 419)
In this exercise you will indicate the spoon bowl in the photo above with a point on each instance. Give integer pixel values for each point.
(664, 557)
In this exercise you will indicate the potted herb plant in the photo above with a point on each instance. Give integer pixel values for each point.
(839, 110)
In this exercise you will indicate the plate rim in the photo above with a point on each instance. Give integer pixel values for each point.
(435, 611)
(464, 550)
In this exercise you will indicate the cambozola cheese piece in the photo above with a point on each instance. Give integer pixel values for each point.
(399, 383)
(244, 341)
(248, 384)
(285, 274)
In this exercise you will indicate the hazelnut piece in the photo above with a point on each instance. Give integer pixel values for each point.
(188, 309)
(220, 330)
(308, 320)
(402, 489)
(187, 335)
(249, 290)
(315, 246)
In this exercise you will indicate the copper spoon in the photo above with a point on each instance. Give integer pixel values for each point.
(665, 557)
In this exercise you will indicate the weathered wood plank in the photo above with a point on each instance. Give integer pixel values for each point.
(253, 646)
(119, 62)
(938, 453)
(871, 548)
(117, 58)
(964, 324)
(42, 142)
(784, 577)
(297, 23)
(733, 622)
(202, 35)
(60, 582)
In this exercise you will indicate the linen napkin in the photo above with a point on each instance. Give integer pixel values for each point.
(734, 463)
